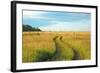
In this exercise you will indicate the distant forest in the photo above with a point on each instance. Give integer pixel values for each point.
(30, 28)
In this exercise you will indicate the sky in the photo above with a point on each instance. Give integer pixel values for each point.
(57, 21)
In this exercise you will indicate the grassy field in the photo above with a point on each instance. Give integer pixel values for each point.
(55, 46)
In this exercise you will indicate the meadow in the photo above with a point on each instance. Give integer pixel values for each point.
(55, 46)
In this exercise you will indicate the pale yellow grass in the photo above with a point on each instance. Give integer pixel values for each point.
(35, 41)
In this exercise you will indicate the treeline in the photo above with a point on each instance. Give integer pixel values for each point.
(30, 28)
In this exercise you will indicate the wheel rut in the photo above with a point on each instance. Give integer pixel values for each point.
(76, 53)
(58, 49)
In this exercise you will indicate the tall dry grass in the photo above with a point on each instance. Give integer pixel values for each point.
(40, 46)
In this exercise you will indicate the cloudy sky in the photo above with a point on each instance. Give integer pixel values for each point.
(57, 21)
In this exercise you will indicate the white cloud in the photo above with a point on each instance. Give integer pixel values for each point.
(55, 25)
(65, 26)
(33, 14)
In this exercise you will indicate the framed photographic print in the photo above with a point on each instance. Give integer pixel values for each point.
(47, 36)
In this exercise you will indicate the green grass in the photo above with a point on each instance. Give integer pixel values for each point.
(43, 46)
(66, 53)
(37, 55)
(81, 46)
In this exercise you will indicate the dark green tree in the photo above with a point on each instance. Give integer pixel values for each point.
(30, 28)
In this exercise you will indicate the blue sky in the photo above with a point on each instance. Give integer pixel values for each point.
(57, 21)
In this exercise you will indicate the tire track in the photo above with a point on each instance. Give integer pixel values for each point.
(57, 47)
(76, 54)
